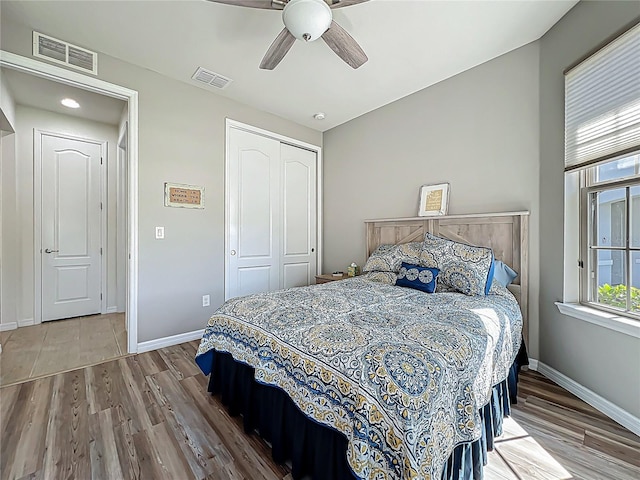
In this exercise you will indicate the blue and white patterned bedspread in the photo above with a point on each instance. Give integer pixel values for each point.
(401, 373)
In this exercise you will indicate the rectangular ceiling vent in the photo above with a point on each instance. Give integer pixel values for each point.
(64, 53)
(212, 79)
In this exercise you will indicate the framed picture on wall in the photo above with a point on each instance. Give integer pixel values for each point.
(434, 200)
(184, 196)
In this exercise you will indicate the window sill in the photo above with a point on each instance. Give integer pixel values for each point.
(603, 319)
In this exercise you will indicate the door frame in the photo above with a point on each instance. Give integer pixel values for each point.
(121, 213)
(37, 216)
(76, 79)
(229, 124)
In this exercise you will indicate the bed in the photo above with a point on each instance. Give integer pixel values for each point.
(364, 379)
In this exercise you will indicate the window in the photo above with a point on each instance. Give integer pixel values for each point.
(610, 213)
(602, 180)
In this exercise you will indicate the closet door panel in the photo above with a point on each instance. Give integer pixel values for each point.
(253, 255)
(299, 209)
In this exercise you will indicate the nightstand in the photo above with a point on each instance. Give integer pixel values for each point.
(328, 277)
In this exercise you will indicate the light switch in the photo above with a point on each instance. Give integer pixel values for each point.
(159, 232)
(205, 301)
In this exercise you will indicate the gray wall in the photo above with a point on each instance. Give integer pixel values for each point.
(477, 130)
(181, 134)
(605, 361)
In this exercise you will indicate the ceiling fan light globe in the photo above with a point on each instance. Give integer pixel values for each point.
(307, 19)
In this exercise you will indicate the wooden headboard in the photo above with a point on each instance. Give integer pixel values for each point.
(506, 233)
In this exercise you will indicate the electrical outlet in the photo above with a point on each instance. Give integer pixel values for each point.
(159, 233)
(205, 301)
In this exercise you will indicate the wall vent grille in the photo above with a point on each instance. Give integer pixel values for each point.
(62, 52)
(212, 79)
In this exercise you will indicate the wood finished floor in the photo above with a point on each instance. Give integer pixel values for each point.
(149, 416)
(60, 345)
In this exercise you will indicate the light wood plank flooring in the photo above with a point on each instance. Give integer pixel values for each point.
(61, 345)
(149, 416)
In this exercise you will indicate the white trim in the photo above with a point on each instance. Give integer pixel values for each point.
(276, 136)
(113, 309)
(229, 124)
(169, 341)
(37, 226)
(104, 188)
(61, 75)
(533, 364)
(610, 409)
(121, 223)
(37, 216)
(27, 322)
(8, 326)
(600, 318)
(132, 225)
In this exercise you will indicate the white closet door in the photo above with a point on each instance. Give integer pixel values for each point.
(298, 258)
(254, 214)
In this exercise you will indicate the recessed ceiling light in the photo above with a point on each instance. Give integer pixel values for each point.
(319, 116)
(70, 102)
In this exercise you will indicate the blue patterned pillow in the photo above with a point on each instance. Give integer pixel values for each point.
(387, 258)
(466, 268)
(420, 278)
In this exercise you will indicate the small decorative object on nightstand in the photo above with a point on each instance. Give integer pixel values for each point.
(330, 277)
(353, 269)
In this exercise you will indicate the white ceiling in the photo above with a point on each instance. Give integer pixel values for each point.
(411, 44)
(46, 94)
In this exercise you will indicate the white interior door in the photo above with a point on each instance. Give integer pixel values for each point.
(71, 233)
(254, 214)
(298, 237)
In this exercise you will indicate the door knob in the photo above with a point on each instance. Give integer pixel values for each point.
(50, 251)
(233, 252)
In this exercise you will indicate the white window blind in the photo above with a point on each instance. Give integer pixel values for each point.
(602, 103)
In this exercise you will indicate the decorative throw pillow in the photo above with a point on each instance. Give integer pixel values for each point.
(387, 258)
(503, 273)
(464, 267)
(415, 276)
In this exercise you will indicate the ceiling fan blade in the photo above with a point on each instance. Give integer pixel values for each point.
(343, 3)
(248, 3)
(277, 50)
(344, 45)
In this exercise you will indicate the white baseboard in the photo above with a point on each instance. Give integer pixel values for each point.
(27, 322)
(610, 409)
(533, 364)
(169, 341)
(8, 326)
(113, 309)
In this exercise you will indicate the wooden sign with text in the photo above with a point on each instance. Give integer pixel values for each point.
(185, 196)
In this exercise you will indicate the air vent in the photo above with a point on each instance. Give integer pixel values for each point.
(62, 52)
(212, 79)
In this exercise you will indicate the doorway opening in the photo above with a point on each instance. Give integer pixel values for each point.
(71, 208)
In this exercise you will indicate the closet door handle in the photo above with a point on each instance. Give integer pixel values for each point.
(50, 251)
(233, 252)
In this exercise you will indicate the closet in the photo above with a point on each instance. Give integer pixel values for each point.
(271, 214)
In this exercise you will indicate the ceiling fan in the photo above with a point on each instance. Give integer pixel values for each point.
(307, 20)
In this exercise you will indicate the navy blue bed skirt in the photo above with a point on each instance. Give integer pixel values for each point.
(319, 451)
